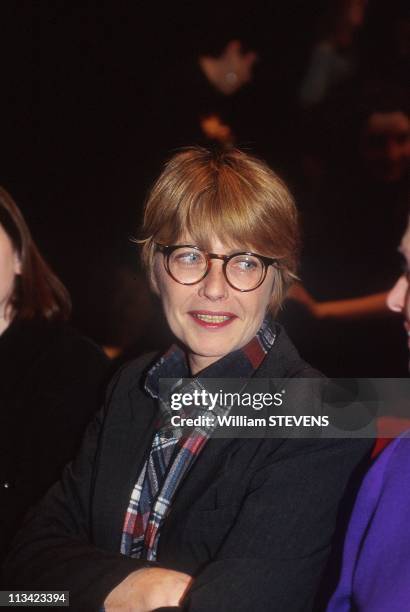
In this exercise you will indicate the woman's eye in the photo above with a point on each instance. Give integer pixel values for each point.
(188, 258)
(246, 265)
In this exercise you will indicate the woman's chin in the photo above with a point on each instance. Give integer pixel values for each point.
(205, 342)
(209, 350)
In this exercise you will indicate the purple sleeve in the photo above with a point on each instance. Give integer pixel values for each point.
(375, 574)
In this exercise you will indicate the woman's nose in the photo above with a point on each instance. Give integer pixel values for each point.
(397, 295)
(214, 285)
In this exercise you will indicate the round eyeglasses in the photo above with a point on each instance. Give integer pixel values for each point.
(188, 265)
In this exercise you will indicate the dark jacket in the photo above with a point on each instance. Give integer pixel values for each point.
(50, 381)
(252, 521)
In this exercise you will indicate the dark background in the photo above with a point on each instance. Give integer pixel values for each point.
(85, 93)
(95, 95)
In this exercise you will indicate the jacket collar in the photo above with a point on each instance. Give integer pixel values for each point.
(241, 363)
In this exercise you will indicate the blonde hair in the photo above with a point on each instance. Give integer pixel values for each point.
(228, 194)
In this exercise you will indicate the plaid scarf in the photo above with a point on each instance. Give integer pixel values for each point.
(173, 454)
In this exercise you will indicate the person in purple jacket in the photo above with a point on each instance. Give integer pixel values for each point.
(375, 573)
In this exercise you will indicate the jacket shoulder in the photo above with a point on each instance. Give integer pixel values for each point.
(130, 375)
(392, 468)
(284, 361)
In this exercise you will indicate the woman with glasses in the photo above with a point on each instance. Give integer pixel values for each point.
(152, 514)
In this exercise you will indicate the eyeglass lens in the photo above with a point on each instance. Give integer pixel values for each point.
(189, 266)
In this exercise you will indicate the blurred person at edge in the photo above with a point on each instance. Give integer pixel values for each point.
(375, 573)
(334, 57)
(146, 517)
(354, 221)
(385, 145)
(385, 153)
(50, 376)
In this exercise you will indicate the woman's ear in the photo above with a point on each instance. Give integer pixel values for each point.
(153, 281)
(17, 263)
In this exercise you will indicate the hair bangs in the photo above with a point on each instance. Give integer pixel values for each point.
(230, 211)
(203, 195)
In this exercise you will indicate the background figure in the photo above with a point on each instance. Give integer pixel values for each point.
(334, 56)
(50, 378)
(376, 561)
(207, 91)
(351, 229)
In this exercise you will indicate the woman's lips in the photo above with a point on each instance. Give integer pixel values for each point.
(212, 320)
